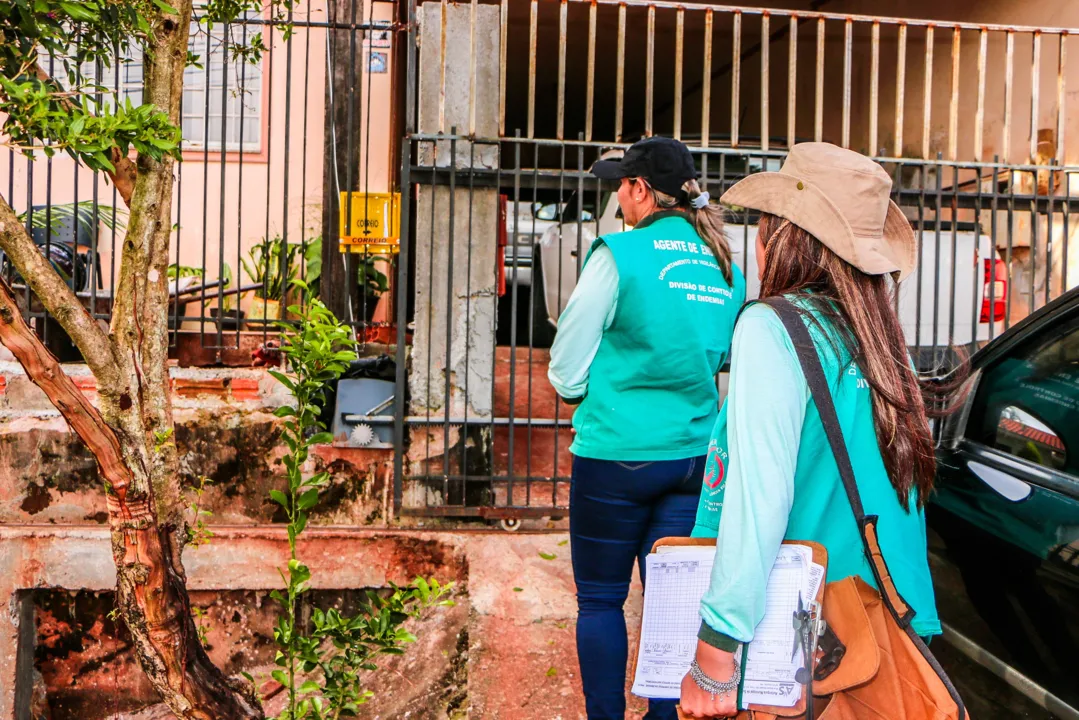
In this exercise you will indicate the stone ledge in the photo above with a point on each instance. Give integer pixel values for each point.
(191, 387)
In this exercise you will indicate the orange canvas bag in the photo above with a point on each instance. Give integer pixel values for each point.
(887, 672)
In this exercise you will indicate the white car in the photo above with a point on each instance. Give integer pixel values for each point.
(953, 306)
(524, 228)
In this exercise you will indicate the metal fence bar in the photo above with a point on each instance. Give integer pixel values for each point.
(1066, 220)
(400, 355)
(900, 88)
(765, 45)
(1009, 67)
(736, 77)
(503, 51)
(706, 82)
(874, 87)
(979, 114)
(848, 45)
(533, 34)
(591, 79)
(471, 68)
(1049, 239)
(441, 68)
(620, 75)
(561, 122)
(995, 207)
(650, 71)
(679, 48)
(792, 81)
(1062, 94)
(1035, 91)
(927, 92)
(450, 238)
(953, 108)
(818, 127)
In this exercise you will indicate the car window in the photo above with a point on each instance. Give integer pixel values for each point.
(587, 206)
(547, 212)
(1026, 403)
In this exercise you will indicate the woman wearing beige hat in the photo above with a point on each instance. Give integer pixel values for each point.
(832, 243)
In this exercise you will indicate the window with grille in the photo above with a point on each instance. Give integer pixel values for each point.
(222, 99)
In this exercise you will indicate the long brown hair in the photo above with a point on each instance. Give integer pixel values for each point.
(860, 309)
(707, 220)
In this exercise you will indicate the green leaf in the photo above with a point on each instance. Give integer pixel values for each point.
(517, 589)
(165, 7)
(78, 11)
(548, 556)
(322, 438)
(309, 687)
(283, 379)
(309, 499)
(279, 497)
(563, 543)
(280, 676)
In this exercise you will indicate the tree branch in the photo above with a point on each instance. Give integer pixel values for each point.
(44, 370)
(124, 177)
(57, 297)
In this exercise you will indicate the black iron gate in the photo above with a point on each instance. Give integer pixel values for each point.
(482, 433)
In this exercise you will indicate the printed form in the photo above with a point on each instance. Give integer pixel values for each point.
(677, 579)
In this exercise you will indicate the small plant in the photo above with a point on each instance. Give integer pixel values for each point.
(373, 282)
(176, 270)
(226, 283)
(201, 625)
(198, 532)
(272, 263)
(312, 253)
(336, 648)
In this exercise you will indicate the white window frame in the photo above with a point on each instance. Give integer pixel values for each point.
(203, 87)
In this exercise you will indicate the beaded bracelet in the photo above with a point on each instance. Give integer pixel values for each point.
(712, 686)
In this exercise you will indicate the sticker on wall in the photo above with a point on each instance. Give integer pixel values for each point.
(376, 62)
(380, 39)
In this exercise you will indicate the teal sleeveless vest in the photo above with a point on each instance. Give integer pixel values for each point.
(652, 389)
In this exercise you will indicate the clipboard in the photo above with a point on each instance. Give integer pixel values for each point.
(820, 556)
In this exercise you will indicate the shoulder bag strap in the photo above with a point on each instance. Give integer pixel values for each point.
(809, 359)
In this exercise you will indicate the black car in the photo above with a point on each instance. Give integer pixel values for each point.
(1004, 523)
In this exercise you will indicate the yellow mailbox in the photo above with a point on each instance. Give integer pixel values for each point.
(370, 222)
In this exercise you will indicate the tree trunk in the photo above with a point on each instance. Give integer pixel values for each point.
(131, 437)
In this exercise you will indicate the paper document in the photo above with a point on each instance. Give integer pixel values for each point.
(677, 579)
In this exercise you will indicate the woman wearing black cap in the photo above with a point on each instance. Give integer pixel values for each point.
(639, 345)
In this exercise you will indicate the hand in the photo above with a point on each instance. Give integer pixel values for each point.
(697, 703)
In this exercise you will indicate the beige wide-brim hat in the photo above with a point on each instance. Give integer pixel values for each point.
(840, 197)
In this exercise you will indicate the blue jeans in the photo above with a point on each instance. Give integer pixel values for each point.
(617, 511)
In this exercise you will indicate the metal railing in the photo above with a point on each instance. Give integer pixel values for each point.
(705, 68)
(995, 245)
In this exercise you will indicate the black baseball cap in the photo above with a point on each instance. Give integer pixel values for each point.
(664, 162)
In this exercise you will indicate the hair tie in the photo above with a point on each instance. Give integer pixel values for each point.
(701, 201)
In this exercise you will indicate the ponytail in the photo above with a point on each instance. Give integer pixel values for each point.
(707, 220)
